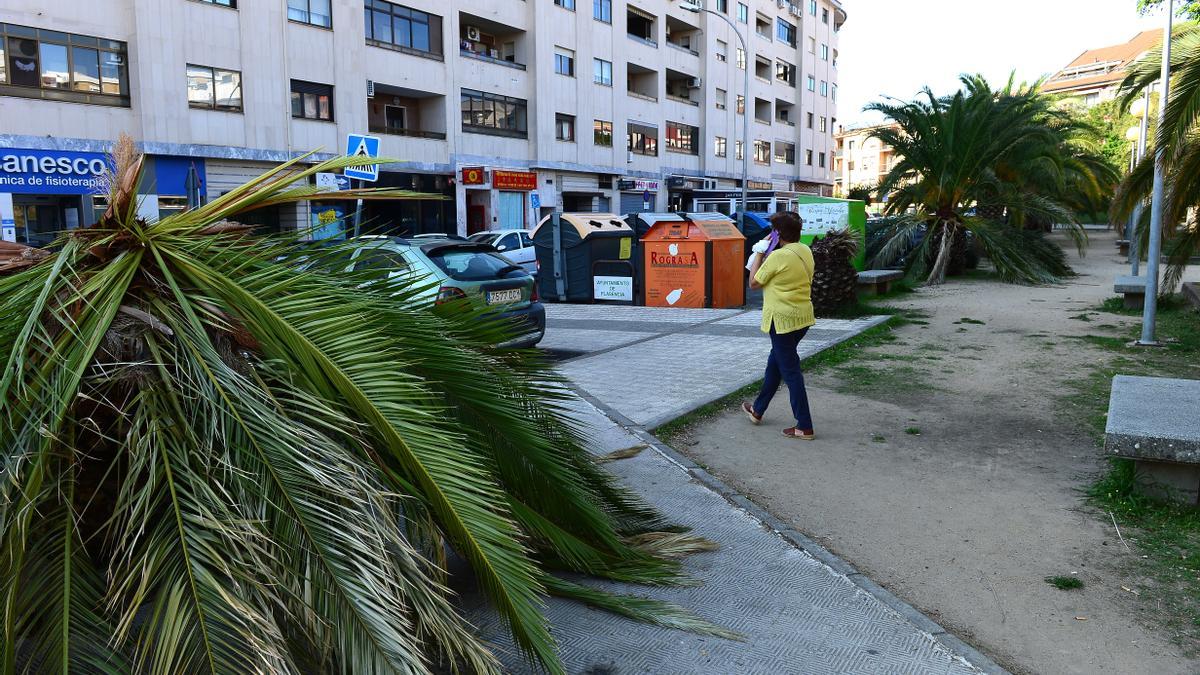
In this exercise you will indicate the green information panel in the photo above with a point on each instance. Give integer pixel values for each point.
(823, 215)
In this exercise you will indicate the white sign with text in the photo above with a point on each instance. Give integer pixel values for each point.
(613, 288)
(824, 217)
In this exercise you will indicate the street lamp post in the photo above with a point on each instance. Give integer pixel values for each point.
(1150, 311)
(696, 7)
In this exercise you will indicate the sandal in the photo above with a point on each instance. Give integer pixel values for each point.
(800, 434)
(749, 410)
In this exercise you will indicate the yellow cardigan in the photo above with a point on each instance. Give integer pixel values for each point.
(786, 277)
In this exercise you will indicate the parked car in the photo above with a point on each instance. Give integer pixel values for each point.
(516, 245)
(436, 235)
(461, 270)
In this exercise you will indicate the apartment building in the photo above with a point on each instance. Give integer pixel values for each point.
(860, 159)
(1096, 74)
(509, 108)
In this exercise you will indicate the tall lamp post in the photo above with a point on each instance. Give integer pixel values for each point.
(1150, 311)
(696, 7)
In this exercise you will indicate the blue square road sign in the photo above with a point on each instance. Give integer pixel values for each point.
(358, 145)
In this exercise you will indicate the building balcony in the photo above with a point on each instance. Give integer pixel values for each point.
(490, 41)
(411, 133)
(681, 99)
(400, 111)
(644, 97)
(467, 53)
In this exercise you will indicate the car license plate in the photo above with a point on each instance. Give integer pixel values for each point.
(504, 297)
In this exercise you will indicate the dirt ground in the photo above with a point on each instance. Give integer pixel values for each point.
(950, 469)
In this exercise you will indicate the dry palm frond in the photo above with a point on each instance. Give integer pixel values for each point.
(623, 453)
(672, 544)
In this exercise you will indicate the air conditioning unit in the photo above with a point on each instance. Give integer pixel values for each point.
(370, 88)
(793, 10)
(694, 83)
(473, 33)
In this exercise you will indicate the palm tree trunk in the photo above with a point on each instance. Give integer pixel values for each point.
(937, 274)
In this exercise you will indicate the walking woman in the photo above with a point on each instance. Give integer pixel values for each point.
(785, 275)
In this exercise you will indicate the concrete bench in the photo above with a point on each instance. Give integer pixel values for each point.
(878, 281)
(1155, 421)
(1123, 246)
(1134, 290)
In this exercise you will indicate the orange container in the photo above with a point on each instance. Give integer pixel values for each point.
(694, 263)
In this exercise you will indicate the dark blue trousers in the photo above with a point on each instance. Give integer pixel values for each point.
(784, 366)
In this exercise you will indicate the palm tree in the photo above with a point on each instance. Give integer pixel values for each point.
(1180, 144)
(991, 162)
(219, 461)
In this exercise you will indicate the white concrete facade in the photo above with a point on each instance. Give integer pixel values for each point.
(257, 39)
(862, 159)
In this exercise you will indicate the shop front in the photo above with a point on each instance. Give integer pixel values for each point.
(638, 195)
(498, 199)
(727, 201)
(46, 192)
(410, 217)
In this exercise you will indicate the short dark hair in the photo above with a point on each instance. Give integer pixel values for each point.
(788, 224)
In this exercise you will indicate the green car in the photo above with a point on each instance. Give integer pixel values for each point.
(459, 270)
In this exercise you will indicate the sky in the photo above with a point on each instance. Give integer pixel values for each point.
(896, 47)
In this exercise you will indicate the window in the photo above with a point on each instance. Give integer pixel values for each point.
(785, 153)
(812, 7)
(824, 15)
(762, 26)
(743, 14)
(398, 27)
(643, 139)
(762, 152)
(835, 55)
(785, 32)
(812, 45)
(737, 150)
(808, 157)
(683, 138)
(810, 120)
(812, 83)
(741, 104)
(75, 67)
(824, 88)
(602, 10)
(741, 58)
(821, 160)
(824, 52)
(566, 4)
(564, 61)
(720, 99)
(785, 72)
(224, 3)
(722, 51)
(723, 6)
(639, 25)
(602, 72)
(312, 101)
(824, 128)
(313, 12)
(564, 127)
(602, 133)
(719, 146)
(833, 93)
(214, 88)
(484, 113)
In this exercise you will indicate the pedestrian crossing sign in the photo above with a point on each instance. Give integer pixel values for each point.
(358, 145)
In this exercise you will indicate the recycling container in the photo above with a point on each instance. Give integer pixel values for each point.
(693, 260)
(585, 257)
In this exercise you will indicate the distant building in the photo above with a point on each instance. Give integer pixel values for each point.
(860, 159)
(1095, 74)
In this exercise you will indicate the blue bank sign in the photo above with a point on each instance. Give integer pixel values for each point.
(61, 172)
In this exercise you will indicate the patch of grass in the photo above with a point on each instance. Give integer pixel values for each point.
(974, 322)
(1081, 317)
(912, 431)
(883, 383)
(878, 439)
(1065, 583)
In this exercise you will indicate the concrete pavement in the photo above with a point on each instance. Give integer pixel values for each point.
(801, 609)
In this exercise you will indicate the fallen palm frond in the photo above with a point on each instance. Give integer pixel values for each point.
(623, 453)
(232, 454)
(672, 544)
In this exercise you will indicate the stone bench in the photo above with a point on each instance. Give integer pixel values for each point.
(1134, 290)
(1155, 421)
(878, 282)
(1123, 246)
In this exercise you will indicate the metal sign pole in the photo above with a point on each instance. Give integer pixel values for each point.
(1135, 242)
